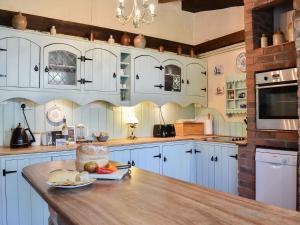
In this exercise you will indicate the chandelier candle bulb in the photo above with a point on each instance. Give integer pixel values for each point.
(152, 9)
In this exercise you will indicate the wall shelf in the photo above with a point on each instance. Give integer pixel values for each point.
(235, 87)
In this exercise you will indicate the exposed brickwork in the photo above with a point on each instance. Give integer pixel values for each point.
(257, 22)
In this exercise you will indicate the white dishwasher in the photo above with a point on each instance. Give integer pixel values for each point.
(276, 177)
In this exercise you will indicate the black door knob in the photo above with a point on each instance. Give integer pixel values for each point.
(36, 68)
(137, 77)
(133, 163)
(46, 69)
(165, 159)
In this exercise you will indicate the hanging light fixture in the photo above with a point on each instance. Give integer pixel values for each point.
(139, 15)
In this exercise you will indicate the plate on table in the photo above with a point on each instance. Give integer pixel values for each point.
(70, 185)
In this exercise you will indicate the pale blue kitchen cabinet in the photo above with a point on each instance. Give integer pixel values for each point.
(177, 161)
(217, 166)
(21, 205)
(147, 158)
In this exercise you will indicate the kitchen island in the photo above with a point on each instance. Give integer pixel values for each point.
(148, 198)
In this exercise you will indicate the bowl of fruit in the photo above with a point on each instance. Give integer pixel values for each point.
(101, 136)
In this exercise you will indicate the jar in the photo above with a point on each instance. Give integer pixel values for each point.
(278, 37)
(111, 40)
(53, 30)
(140, 41)
(125, 39)
(263, 41)
(19, 21)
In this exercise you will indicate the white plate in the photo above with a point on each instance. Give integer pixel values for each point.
(55, 114)
(117, 175)
(72, 186)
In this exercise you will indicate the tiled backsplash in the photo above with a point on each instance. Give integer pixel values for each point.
(97, 116)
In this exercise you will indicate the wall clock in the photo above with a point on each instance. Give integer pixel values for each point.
(241, 62)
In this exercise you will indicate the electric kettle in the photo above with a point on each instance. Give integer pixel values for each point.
(19, 138)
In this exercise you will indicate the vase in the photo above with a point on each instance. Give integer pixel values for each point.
(125, 39)
(278, 37)
(179, 50)
(263, 41)
(53, 30)
(19, 21)
(140, 41)
(111, 40)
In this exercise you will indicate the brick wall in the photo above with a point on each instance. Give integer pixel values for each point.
(257, 22)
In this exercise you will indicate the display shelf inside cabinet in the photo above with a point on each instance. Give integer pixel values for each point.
(236, 94)
(125, 71)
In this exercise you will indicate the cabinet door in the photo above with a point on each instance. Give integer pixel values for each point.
(147, 158)
(173, 76)
(226, 168)
(23, 205)
(121, 156)
(177, 161)
(196, 83)
(147, 75)
(205, 164)
(19, 63)
(62, 66)
(101, 70)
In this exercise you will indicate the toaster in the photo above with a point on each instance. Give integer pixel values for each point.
(164, 130)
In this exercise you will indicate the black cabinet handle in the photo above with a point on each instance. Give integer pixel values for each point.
(196, 151)
(83, 81)
(137, 77)
(46, 69)
(182, 81)
(157, 156)
(36, 68)
(190, 151)
(2, 75)
(133, 163)
(3, 50)
(83, 58)
(4, 172)
(159, 67)
(212, 158)
(187, 81)
(216, 159)
(159, 86)
(129, 163)
(165, 159)
(203, 89)
(114, 75)
(234, 156)
(204, 73)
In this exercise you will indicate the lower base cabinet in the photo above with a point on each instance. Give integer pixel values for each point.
(217, 167)
(21, 204)
(178, 161)
(213, 165)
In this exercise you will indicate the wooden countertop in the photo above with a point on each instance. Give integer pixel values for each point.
(4, 151)
(148, 198)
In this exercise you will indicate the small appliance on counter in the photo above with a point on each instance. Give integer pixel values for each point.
(164, 130)
(19, 138)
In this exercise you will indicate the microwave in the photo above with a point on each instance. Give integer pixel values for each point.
(276, 100)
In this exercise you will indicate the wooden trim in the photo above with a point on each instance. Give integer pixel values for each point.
(221, 42)
(44, 24)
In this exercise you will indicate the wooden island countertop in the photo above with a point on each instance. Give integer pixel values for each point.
(148, 198)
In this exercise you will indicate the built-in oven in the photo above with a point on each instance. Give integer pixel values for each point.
(276, 100)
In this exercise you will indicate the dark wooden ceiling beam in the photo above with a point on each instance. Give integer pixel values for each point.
(205, 5)
(221, 42)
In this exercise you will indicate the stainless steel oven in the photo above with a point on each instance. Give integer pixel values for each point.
(276, 100)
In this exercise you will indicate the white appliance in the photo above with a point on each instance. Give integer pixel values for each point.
(276, 177)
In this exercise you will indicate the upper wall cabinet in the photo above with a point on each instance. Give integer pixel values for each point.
(19, 63)
(62, 67)
(148, 75)
(196, 80)
(101, 69)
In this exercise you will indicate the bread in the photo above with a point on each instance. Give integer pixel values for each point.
(91, 153)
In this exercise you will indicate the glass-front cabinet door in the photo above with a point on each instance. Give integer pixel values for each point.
(62, 67)
(173, 77)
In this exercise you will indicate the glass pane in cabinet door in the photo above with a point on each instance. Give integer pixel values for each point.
(172, 78)
(62, 68)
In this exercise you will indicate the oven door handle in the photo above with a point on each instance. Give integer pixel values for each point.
(277, 85)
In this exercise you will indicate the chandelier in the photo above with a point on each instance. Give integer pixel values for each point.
(139, 15)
